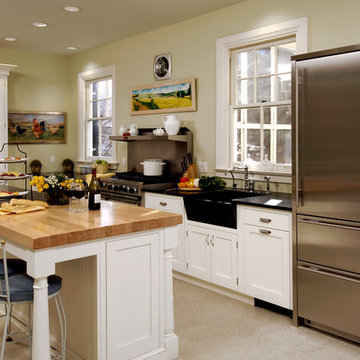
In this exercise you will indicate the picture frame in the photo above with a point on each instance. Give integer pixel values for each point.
(166, 97)
(37, 127)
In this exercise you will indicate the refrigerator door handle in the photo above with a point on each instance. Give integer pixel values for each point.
(325, 223)
(331, 272)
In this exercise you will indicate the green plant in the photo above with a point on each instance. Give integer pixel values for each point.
(212, 183)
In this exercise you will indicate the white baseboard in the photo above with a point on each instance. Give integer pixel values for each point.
(215, 288)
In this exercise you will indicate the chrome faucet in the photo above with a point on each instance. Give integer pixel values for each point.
(267, 178)
(246, 176)
(233, 178)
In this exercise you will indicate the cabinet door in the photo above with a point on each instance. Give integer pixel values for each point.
(133, 291)
(175, 205)
(223, 259)
(267, 265)
(197, 243)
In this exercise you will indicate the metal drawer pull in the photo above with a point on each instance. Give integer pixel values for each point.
(329, 273)
(207, 239)
(212, 241)
(264, 220)
(162, 203)
(262, 231)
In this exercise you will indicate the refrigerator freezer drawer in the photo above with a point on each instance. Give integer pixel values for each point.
(330, 300)
(329, 244)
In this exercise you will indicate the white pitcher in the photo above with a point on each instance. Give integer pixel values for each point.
(171, 124)
(122, 129)
(133, 130)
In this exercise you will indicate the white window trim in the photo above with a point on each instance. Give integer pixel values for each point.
(83, 78)
(297, 27)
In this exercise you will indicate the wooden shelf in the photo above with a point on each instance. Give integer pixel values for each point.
(185, 135)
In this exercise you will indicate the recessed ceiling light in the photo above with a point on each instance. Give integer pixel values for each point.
(10, 38)
(39, 24)
(72, 9)
(72, 48)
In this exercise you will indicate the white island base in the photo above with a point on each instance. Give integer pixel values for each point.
(135, 318)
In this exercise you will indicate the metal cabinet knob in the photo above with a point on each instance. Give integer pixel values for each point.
(163, 203)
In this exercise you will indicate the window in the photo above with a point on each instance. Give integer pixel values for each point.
(99, 118)
(261, 103)
(253, 109)
(97, 114)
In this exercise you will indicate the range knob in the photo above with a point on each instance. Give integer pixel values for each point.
(110, 187)
(115, 188)
(133, 190)
(102, 184)
(123, 188)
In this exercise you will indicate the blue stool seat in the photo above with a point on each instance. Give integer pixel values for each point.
(14, 266)
(21, 287)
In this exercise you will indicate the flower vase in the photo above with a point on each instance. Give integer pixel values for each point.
(56, 197)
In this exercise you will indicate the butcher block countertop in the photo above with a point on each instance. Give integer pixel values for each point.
(56, 226)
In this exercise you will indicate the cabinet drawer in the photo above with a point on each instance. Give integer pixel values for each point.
(164, 203)
(267, 219)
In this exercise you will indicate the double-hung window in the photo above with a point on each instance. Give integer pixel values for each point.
(261, 103)
(99, 118)
(253, 106)
(97, 114)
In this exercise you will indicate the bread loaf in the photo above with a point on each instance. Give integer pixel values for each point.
(25, 202)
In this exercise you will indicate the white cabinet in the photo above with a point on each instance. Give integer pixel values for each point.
(133, 271)
(267, 254)
(211, 254)
(172, 204)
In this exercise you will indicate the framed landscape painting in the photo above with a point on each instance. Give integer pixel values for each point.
(36, 127)
(173, 96)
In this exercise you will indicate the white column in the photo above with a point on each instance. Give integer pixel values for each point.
(4, 74)
(169, 301)
(41, 331)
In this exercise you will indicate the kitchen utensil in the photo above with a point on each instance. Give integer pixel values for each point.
(133, 130)
(185, 162)
(159, 131)
(153, 167)
(183, 166)
(122, 129)
(189, 157)
(171, 124)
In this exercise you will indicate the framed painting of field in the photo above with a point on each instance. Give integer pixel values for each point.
(170, 96)
(36, 127)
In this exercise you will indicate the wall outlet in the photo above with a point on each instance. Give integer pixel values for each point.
(123, 161)
(52, 159)
(203, 166)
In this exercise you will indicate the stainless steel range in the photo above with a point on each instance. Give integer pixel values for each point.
(129, 186)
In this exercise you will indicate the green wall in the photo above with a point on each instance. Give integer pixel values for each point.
(49, 83)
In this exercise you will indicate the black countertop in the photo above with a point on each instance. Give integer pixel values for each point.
(260, 200)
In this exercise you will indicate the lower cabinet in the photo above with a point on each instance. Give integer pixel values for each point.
(267, 260)
(211, 255)
(142, 316)
(172, 204)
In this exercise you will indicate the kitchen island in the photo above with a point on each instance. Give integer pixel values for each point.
(133, 251)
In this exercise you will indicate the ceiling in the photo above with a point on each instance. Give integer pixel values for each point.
(98, 22)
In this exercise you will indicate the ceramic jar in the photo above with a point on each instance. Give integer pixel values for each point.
(171, 124)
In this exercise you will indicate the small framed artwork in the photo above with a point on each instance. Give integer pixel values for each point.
(36, 127)
(172, 96)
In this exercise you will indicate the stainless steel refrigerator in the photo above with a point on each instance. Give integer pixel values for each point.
(326, 190)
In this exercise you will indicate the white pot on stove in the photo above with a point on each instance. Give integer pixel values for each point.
(153, 167)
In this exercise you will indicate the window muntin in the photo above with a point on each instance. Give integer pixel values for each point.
(99, 118)
(261, 103)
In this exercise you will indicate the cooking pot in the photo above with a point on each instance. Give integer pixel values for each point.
(153, 167)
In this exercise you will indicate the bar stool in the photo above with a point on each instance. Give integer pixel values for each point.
(17, 288)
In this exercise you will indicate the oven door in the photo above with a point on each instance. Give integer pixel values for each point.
(129, 199)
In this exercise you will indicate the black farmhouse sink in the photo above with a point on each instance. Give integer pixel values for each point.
(216, 208)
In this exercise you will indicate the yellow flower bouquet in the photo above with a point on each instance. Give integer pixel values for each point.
(54, 187)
